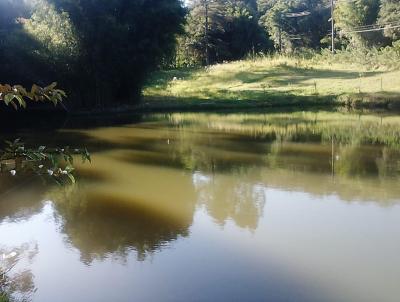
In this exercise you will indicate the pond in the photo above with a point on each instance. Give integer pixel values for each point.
(295, 206)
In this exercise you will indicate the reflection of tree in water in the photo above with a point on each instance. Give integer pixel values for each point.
(299, 126)
(358, 161)
(103, 226)
(362, 173)
(353, 160)
(226, 197)
(389, 162)
(17, 284)
(218, 164)
(364, 145)
(19, 198)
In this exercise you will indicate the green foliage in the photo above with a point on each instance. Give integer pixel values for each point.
(389, 14)
(101, 51)
(55, 163)
(232, 32)
(297, 23)
(246, 36)
(17, 95)
(4, 297)
(234, 26)
(301, 79)
(264, 6)
(54, 32)
(49, 163)
(384, 58)
(15, 285)
(352, 15)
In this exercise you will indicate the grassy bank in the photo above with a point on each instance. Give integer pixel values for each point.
(273, 82)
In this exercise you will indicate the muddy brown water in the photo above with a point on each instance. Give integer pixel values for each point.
(300, 206)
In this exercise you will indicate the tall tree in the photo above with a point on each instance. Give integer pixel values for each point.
(222, 30)
(243, 33)
(205, 29)
(351, 18)
(389, 17)
(295, 23)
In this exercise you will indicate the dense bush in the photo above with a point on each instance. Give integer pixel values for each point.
(99, 51)
(386, 58)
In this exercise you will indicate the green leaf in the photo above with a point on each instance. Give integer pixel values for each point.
(21, 101)
(71, 177)
(9, 97)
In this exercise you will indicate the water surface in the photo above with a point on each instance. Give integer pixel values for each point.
(300, 206)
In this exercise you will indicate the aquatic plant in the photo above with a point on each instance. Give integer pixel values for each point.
(16, 285)
(53, 163)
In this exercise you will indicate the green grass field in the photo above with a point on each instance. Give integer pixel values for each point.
(277, 81)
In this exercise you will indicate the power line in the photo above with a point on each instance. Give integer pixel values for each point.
(356, 29)
(372, 26)
(368, 30)
(345, 1)
(299, 14)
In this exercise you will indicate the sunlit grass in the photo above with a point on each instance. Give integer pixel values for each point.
(272, 79)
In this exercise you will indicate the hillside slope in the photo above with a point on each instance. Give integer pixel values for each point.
(278, 81)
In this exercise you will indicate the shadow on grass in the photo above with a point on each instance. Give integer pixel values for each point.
(211, 87)
(283, 75)
(257, 88)
(245, 99)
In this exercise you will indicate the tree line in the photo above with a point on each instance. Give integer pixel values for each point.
(101, 51)
(219, 30)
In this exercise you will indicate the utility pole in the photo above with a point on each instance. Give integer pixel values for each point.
(206, 31)
(280, 32)
(280, 38)
(332, 27)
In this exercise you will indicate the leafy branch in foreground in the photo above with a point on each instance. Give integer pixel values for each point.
(17, 95)
(53, 163)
